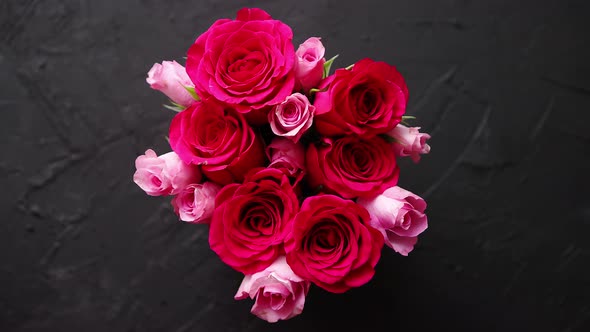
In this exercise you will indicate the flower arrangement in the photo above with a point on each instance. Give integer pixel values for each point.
(293, 168)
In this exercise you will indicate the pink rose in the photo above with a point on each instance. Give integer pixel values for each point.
(288, 157)
(247, 63)
(309, 68)
(331, 243)
(195, 204)
(170, 77)
(217, 137)
(164, 175)
(292, 118)
(351, 166)
(251, 220)
(279, 292)
(409, 142)
(367, 100)
(399, 215)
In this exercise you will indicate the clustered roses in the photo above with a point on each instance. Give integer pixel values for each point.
(294, 170)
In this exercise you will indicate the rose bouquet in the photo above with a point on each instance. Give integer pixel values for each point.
(292, 168)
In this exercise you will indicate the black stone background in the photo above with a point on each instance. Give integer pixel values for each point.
(502, 86)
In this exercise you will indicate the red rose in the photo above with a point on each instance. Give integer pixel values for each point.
(332, 245)
(251, 220)
(352, 166)
(247, 63)
(217, 138)
(367, 100)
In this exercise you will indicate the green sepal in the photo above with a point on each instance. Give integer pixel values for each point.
(405, 119)
(175, 107)
(349, 67)
(328, 65)
(192, 92)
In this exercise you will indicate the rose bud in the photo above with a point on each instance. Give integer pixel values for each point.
(288, 157)
(195, 204)
(279, 292)
(409, 141)
(171, 78)
(164, 175)
(399, 215)
(309, 67)
(292, 118)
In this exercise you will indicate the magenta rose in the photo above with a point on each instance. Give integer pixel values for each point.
(171, 78)
(195, 204)
(217, 138)
(288, 157)
(247, 63)
(352, 166)
(164, 175)
(367, 100)
(292, 118)
(399, 215)
(332, 244)
(309, 68)
(250, 220)
(409, 141)
(279, 292)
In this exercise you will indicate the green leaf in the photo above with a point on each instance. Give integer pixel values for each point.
(175, 107)
(328, 65)
(193, 93)
(349, 67)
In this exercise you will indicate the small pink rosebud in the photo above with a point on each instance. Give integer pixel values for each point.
(171, 78)
(292, 118)
(309, 68)
(164, 175)
(409, 142)
(399, 215)
(195, 204)
(278, 291)
(288, 157)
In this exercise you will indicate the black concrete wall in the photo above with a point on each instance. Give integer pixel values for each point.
(501, 85)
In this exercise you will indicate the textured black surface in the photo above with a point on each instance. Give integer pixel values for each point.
(503, 86)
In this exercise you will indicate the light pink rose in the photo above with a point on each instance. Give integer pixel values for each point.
(399, 215)
(279, 292)
(164, 175)
(309, 68)
(170, 78)
(288, 157)
(195, 204)
(292, 118)
(409, 141)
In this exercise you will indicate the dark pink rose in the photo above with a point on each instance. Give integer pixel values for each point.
(171, 79)
(288, 157)
(309, 68)
(332, 244)
(164, 175)
(247, 63)
(352, 166)
(217, 138)
(292, 118)
(195, 204)
(399, 215)
(409, 141)
(367, 100)
(251, 220)
(279, 292)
